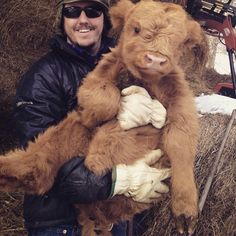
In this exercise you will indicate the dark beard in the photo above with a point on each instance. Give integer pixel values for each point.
(87, 48)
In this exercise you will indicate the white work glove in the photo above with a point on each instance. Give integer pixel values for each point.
(140, 181)
(137, 108)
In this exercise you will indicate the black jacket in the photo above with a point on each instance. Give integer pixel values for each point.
(46, 93)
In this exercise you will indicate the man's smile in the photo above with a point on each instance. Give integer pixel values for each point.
(84, 30)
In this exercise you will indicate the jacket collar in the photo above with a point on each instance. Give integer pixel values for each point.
(59, 42)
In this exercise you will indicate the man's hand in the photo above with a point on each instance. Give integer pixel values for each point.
(137, 108)
(140, 181)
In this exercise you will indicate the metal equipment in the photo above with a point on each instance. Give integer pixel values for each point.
(218, 17)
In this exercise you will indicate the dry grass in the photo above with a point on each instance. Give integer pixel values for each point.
(11, 220)
(25, 29)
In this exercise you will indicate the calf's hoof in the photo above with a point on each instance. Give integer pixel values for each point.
(185, 224)
(185, 210)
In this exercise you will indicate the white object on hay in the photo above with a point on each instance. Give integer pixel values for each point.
(215, 104)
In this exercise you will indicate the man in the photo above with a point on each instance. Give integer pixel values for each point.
(47, 92)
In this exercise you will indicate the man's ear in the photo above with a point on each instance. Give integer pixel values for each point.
(119, 12)
(195, 34)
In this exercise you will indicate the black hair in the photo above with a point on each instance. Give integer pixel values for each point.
(107, 23)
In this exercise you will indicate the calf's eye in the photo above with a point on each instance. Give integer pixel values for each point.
(136, 30)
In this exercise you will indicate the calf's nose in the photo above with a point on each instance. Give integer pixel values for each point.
(155, 61)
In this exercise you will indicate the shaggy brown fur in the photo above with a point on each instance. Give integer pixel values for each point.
(151, 31)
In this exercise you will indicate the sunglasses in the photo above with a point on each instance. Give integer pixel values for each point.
(75, 12)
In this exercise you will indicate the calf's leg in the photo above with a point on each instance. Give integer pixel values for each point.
(180, 142)
(33, 171)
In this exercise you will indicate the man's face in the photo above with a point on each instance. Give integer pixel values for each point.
(83, 30)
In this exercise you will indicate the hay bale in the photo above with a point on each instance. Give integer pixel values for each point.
(27, 24)
(212, 78)
(219, 213)
(25, 29)
(11, 220)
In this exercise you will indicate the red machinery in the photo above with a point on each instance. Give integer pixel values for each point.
(218, 18)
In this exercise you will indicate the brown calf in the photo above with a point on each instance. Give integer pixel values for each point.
(152, 41)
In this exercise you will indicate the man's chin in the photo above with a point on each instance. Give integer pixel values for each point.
(89, 45)
(86, 46)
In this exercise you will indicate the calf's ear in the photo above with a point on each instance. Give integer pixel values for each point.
(195, 34)
(119, 12)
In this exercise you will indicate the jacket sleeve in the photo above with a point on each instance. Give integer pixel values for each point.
(77, 184)
(40, 103)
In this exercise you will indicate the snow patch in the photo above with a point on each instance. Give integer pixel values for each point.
(215, 103)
